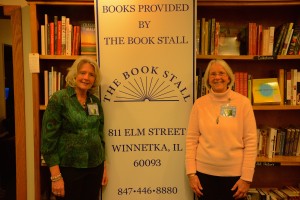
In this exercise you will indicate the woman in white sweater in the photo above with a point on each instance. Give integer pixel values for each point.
(221, 139)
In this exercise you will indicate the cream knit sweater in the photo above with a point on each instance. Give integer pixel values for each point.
(219, 145)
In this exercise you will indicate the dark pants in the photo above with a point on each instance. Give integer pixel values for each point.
(217, 187)
(82, 183)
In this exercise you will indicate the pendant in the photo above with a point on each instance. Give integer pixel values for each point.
(217, 120)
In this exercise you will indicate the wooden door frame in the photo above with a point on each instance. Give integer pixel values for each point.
(15, 15)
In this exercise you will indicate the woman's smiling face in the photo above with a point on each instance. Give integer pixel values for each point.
(218, 78)
(85, 77)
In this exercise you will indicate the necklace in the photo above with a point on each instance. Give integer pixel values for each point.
(219, 108)
(82, 102)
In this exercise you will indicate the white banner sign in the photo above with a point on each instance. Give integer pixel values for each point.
(147, 56)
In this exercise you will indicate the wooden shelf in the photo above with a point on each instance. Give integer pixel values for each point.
(62, 57)
(275, 107)
(283, 160)
(247, 57)
(246, 3)
(64, 2)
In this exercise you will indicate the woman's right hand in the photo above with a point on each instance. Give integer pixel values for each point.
(195, 184)
(58, 188)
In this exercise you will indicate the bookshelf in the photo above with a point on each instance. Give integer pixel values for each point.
(278, 171)
(76, 10)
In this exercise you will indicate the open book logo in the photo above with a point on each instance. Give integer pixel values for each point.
(142, 89)
(146, 84)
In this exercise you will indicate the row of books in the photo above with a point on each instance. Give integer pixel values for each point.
(215, 38)
(61, 37)
(289, 85)
(287, 39)
(284, 90)
(278, 141)
(53, 81)
(285, 193)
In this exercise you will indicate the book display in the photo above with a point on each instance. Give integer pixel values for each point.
(229, 39)
(266, 91)
(58, 48)
(247, 38)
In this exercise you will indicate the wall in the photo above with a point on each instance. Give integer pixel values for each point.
(28, 91)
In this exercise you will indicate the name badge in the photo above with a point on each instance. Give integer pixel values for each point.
(93, 109)
(228, 111)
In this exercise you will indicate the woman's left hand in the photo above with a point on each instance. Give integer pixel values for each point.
(104, 178)
(241, 188)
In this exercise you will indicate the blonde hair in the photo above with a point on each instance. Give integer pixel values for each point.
(227, 69)
(73, 71)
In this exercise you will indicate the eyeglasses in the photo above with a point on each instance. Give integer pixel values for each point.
(220, 74)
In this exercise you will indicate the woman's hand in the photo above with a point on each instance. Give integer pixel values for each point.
(195, 184)
(58, 188)
(241, 188)
(104, 178)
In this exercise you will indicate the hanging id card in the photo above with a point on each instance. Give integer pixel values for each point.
(93, 109)
(228, 111)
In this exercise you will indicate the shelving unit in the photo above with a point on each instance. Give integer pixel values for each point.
(268, 13)
(76, 10)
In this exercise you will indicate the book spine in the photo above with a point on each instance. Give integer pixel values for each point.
(209, 36)
(287, 42)
(271, 40)
(59, 32)
(237, 82)
(206, 39)
(68, 37)
(288, 90)
(279, 38)
(295, 143)
(250, 87)
(282, 141)
(281, 84)
(46, 33)
(75, 29)
(294, 86)
(217, 33)
(51, 38)
(292, 139)
(259, 39)
(55, 34)
(43, 46)
(245, 83)
(63, 35)
(48, 39)
(254, 38)
(287, 142)
(212, 36)
(202, 35)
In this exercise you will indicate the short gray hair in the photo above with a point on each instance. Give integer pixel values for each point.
(226, 67)
(73, 71)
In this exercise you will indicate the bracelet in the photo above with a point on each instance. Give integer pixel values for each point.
(249, 182)
(191, 175)
(56, 178)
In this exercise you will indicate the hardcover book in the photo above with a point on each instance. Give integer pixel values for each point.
(266, 91)
(88, 38)
(271, 142)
